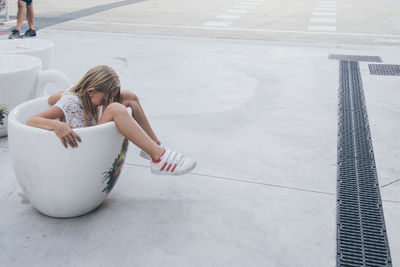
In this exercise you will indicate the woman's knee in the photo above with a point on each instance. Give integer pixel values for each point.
(115, 107)
(129, 96)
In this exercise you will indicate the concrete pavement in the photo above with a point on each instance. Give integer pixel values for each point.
(325, 21)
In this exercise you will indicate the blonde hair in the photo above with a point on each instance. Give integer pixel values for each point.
(104, 79)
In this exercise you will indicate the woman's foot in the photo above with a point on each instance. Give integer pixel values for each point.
(172, 163)
(145, 155)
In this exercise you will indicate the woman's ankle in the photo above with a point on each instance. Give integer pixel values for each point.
(157, 156)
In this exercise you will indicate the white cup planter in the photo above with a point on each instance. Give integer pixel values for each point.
(64, 182)
(22, 79)
(41, 48)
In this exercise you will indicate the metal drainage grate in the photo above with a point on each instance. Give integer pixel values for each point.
(384, 69)
(355, 58)
(361, 231)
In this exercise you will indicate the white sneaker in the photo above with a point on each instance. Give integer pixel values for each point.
(172, 163)
(145, 155)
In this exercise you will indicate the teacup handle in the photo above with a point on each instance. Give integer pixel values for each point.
(50, 76)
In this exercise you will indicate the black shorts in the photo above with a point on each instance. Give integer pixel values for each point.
(28, 2)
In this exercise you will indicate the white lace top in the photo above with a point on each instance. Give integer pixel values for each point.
(71, 105)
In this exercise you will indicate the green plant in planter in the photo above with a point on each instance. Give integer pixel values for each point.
(3, 113)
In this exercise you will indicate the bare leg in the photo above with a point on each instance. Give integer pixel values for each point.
(30, 16)
(131, 129)
(21, 14)
(129, 99)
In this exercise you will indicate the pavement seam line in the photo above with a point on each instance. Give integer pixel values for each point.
(246, 181)
(390, 183)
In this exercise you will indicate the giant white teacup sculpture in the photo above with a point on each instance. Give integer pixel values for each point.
(40, 48)
(64, 182)
(21, 79)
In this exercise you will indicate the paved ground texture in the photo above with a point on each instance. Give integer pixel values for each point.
(246, 88)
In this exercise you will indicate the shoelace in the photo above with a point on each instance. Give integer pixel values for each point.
(173, 160)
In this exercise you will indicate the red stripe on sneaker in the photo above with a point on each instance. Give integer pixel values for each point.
(169, 167)
(173, 169)
(159, 158)
(163, 167)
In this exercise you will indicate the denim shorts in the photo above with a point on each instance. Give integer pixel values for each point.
(28, 2)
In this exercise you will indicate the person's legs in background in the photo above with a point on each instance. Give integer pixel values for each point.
(20, 19)
(30, 16)
(25, 10)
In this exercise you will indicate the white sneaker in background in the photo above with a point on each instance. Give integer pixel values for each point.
(144, 154)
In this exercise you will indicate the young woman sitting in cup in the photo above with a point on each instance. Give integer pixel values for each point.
(80, 107)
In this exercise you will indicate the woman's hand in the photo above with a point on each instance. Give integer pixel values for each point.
(47, 120)
(66, 134)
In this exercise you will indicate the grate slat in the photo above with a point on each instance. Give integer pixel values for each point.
(384, 69)
(361, 231)
(355, 58)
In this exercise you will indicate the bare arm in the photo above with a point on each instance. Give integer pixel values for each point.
(47, 120)
(127, 97)
(54, 98)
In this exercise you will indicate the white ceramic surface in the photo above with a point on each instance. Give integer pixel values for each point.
(41, 48)
(59, 181)
(21, 76)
